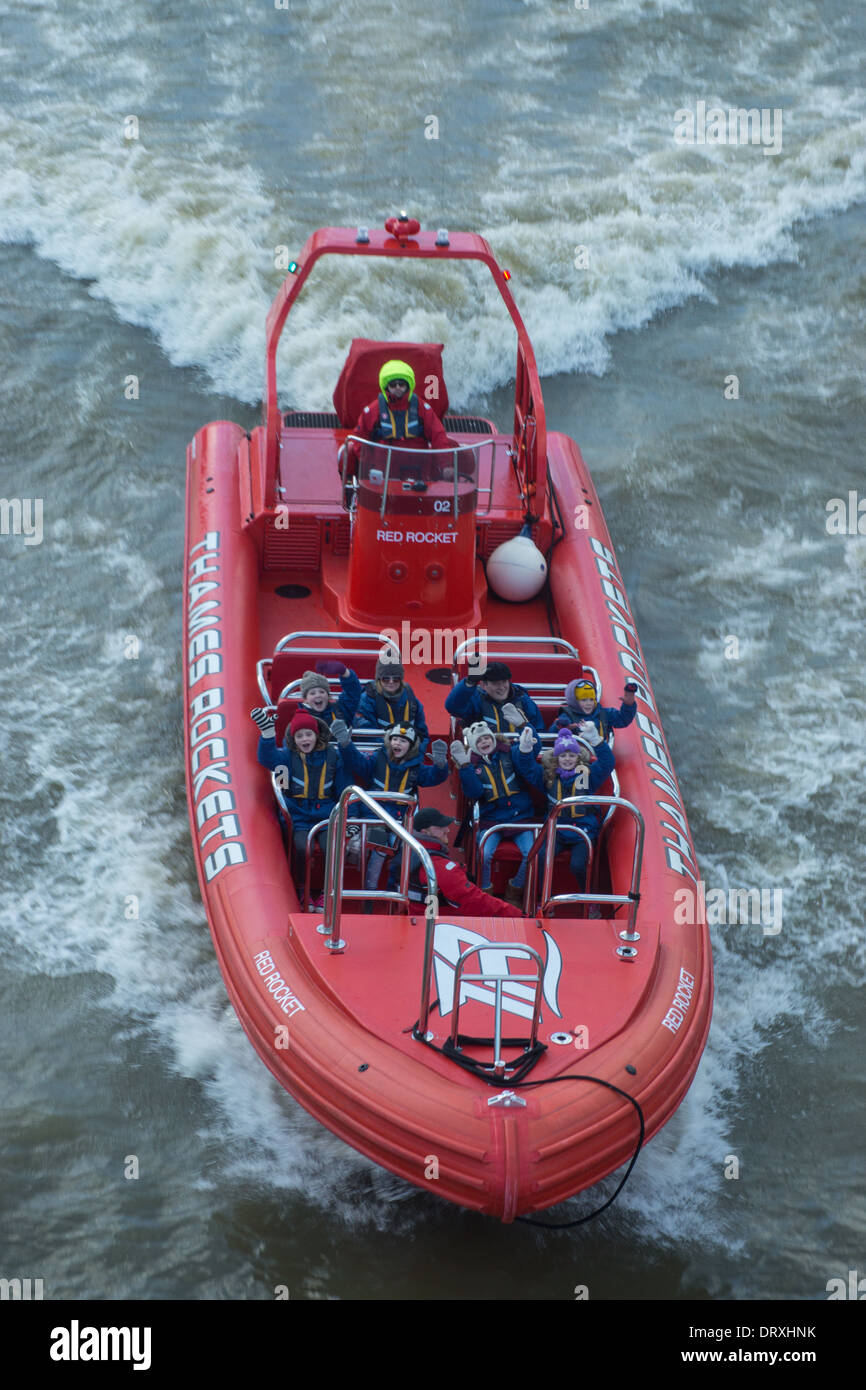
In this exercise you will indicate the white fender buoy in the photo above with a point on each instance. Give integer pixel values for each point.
(517, 569)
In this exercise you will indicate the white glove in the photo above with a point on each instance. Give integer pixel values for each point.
(438, 750)
(587, 730)
(513, 715)
(526, 742)
(340, 731)
(266, 722)
(459, 753)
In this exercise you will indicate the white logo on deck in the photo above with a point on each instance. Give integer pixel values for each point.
(449, 944)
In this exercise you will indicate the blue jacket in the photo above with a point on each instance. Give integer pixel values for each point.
(344, 707)
(603, 717)
(375, 710)
(496, 785)
(599, 772)
(311, 794)
(470, 703)
(378, 773)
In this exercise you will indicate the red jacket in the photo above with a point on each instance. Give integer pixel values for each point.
(468, 899)
(434, 432)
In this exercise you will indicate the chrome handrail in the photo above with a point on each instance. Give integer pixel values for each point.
(499, 1065)
(333, 635)
(475, 449)
(262, 679)
(545, 838)
(537, 639)
(266, 662)
(629, 899)
(333, 885)
(278, 793)
(314, 830)
(518, 825)
(364, 822)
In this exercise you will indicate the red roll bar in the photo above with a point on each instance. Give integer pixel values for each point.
(530, 435)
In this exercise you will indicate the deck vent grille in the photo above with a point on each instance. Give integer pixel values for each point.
(310, 420)
(296, 547)
(323, 420)
(340, 533)
(495, 533)
(466, 424)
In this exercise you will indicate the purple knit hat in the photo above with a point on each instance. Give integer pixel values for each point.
(566, 743)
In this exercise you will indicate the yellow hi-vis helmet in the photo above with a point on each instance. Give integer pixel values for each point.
(396, 371)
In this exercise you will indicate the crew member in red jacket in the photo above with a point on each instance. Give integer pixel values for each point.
(431, 827)
(397, 417)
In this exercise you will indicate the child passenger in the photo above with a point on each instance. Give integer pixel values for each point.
(395, 767)
(316, 698)
(387, 701)
(312, 775)
(565, 771)
(489, 777)
(581, 703)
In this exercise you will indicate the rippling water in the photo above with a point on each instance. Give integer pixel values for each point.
(154, 257)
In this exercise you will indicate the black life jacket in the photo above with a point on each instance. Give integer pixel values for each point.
(398, 709)
(393, 777)
(558, 792)
(318, 787)
(500, 778)
(491, 712)
(398, 424)
(576, 716)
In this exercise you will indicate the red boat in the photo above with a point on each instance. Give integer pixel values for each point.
(504, 1063)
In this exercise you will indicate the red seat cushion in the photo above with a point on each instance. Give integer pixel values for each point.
(358, 383)
(285, 712)
(289, 665)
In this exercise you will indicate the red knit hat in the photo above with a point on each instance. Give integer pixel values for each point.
(302, 720)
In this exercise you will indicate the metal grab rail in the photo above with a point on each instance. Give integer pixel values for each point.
(629, 899)
(335, 860)
(364, 823)
(474, 449)
(498, 978)
(543, 840)
(326, 642)
(334, 635)
(536, 690)
(321, 825)
(519, 826)
(538, 639)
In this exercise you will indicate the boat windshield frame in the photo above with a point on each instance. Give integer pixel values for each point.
(529, 442)
(436, 463)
